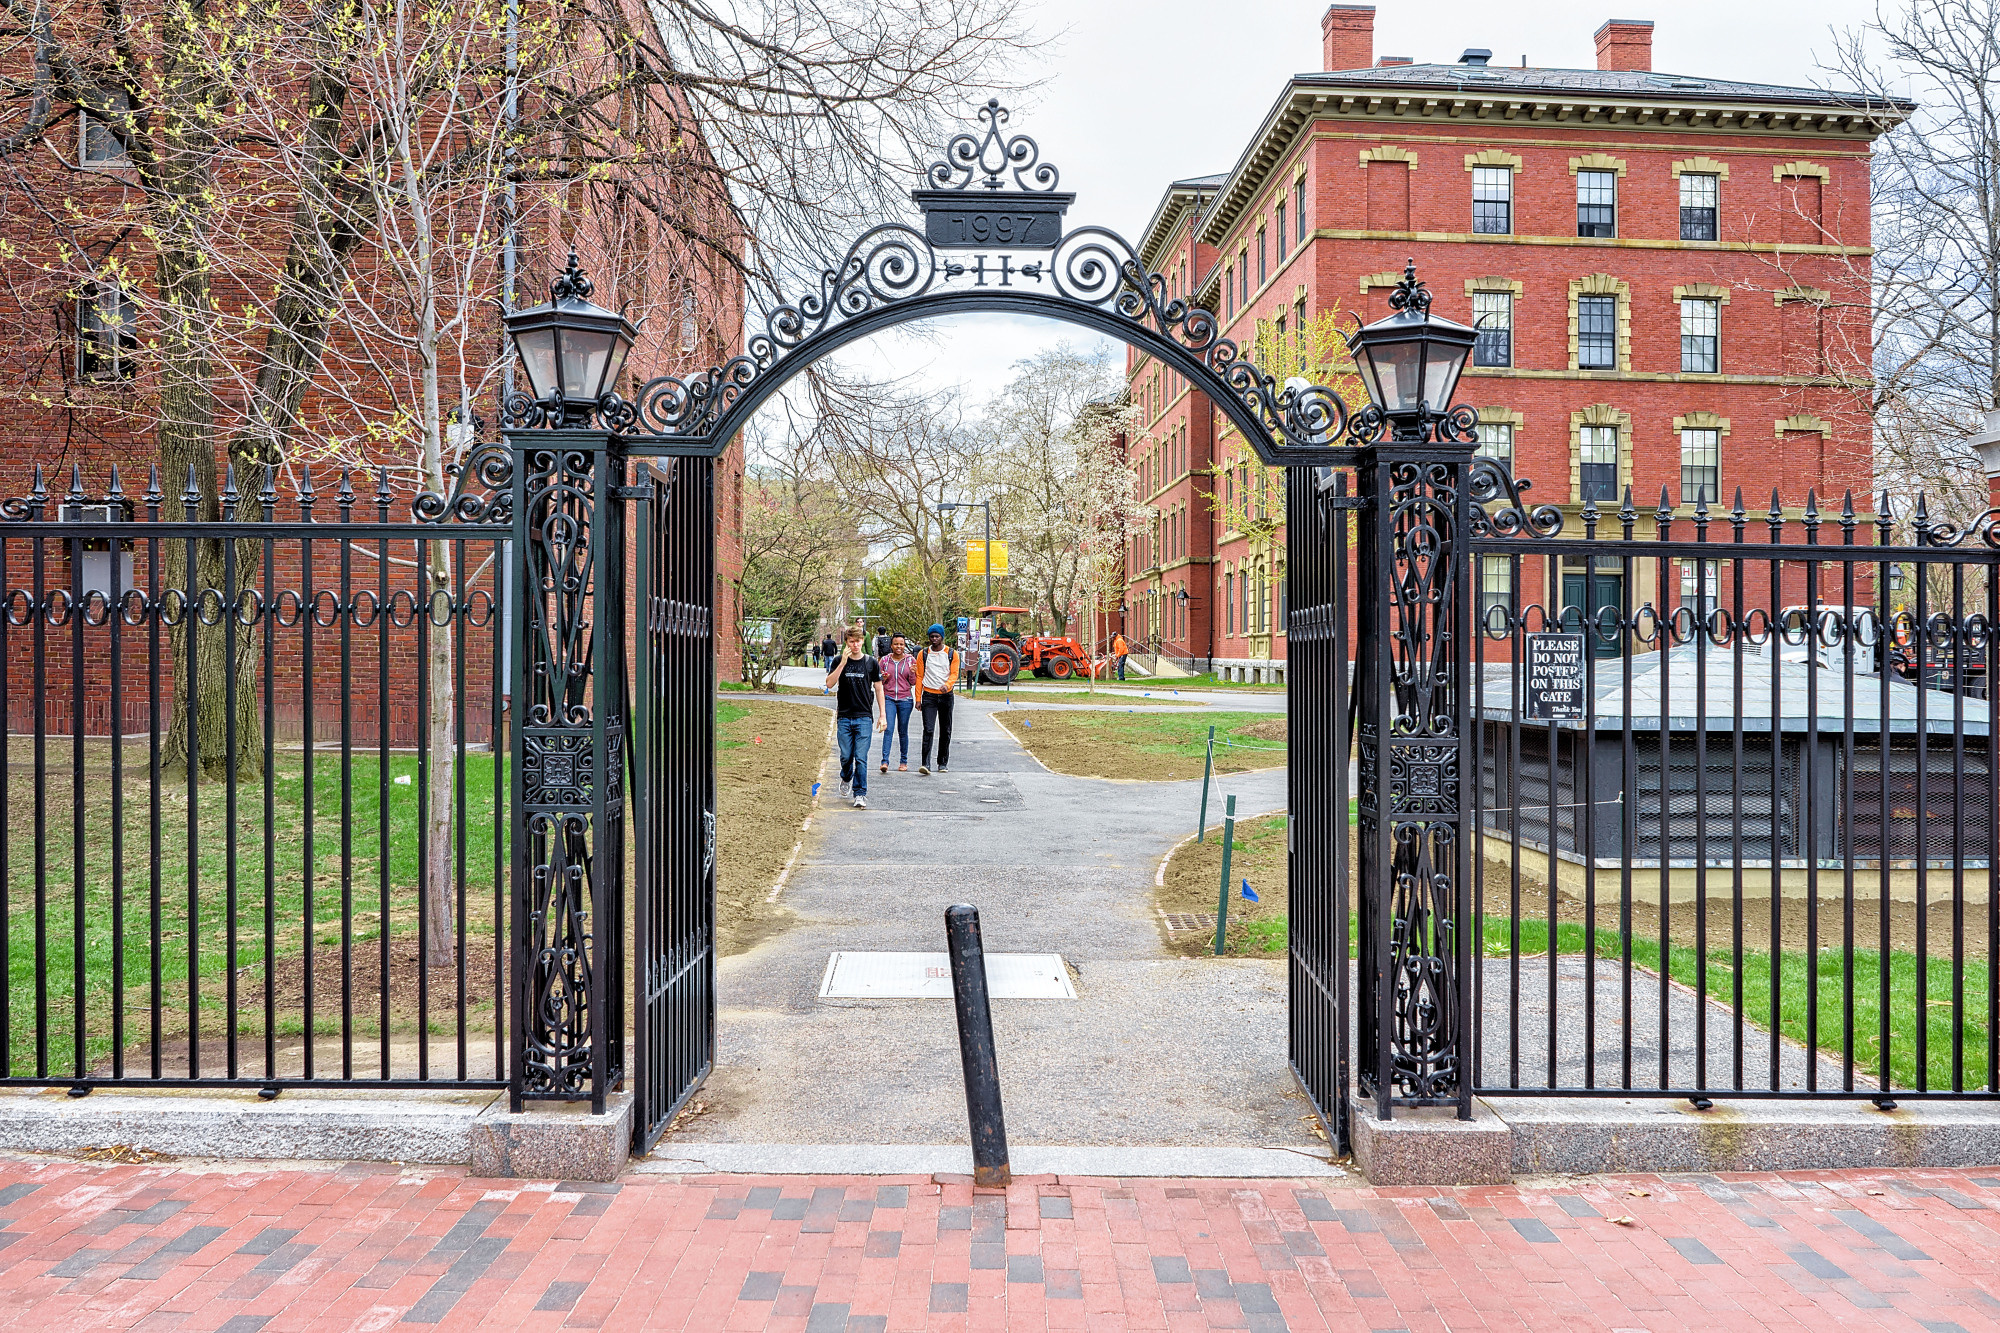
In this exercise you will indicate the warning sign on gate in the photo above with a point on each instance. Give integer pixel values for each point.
(1554, 685)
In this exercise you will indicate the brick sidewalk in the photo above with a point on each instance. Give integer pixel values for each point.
(155, 1247)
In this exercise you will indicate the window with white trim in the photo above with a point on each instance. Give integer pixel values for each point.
(1700, 192)
(1493, 200)
(1597, 332)
(107, 333)
(1701, 335)
(97, 144)
(1597, 463)
(1496, 440)
(1496, 591)
(1701, 465)
(1493, 316)
(1597, 203)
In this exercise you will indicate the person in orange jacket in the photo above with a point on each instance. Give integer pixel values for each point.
(1119, 649)
(937, 681)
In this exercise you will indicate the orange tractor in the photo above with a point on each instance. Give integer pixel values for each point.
(1049, 656)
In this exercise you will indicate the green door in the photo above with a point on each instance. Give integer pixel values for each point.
(1606, 589)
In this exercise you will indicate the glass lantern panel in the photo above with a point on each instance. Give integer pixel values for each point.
(619, 349)
(538, 359)
(1397, 366)
(1444, 361)
(584, 352)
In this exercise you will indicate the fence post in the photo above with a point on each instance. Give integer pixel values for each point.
(1207, 767)
(1222, 899)
(568, 667)
(1412, 664)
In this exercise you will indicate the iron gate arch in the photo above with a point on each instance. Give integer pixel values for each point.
(566, 484)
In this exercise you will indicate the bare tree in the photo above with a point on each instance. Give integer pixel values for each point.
(1936, 267)
(799, 542)
(1064, 498)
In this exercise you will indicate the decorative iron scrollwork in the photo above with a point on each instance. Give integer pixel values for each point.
(482, 489)
(1423, 967)
(561, 958)
(989, 157)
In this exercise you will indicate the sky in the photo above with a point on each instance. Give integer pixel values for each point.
(1136, 93)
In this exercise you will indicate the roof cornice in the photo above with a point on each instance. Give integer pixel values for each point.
(1310, 96)
(1182, 199)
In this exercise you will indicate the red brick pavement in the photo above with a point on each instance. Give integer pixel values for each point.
(158, 1247)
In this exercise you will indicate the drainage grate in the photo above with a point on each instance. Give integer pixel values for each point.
(1178, 921)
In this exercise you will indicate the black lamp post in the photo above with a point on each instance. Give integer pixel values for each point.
(1412, 659)
(1410, 361)
(570, 349)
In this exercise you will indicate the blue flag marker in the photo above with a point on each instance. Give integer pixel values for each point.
(815, 789)
(1027, 722)
(1249, 892)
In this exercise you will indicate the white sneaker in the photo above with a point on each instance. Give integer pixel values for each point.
(860, 803)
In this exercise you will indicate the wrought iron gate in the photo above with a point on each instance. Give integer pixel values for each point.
(674, 789)
(1319, 721)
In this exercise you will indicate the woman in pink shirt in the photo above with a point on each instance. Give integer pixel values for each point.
(899, 685)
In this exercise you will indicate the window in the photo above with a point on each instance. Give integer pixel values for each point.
(1229, 600)
(1281, 330)
(1597, 332)
(1596, 203)
(1698, 199)
(1263, 268)
(1243, 275)
(1493, 316)
(1597, 463)
(1299, 208)
(1698, 586)
(97, 144)
(1281, 226)
(1496, 440)
(1496, 591)
(1493, 200)
(107, 334)
(1700, 333)
(1229, 289)
(1701, 466)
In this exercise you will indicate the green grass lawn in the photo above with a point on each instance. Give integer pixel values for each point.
(1159, 747)
(301, 893)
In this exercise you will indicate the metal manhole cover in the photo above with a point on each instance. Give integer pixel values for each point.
(1179, 921)
(927, 976)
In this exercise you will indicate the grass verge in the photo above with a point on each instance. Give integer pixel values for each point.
(766, 756)
(1153, 747)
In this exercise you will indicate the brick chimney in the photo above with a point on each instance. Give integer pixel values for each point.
(1350, 36)
(1386, 61)
(1625, 44)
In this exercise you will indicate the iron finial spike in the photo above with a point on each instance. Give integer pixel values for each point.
(229, 479)
(116, 491)
(1847, 504)
(154, 495)
(1777, 508)
(1812, 502)
(191, 492)
(1666, 502)
(1923, 510)
(76, 482)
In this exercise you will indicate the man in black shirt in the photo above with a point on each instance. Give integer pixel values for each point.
(858, 702)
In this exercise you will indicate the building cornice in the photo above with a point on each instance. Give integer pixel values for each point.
(1183, 202)
(1798, 117)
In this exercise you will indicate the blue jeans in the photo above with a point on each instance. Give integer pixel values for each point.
(853, 733)
(896, 714)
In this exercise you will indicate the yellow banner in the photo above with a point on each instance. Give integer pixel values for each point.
(975, 557)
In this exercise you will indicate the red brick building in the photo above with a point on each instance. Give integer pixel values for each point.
(1672, 272)
(84, 390)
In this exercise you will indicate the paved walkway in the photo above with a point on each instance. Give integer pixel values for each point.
(154, 1248)
(1155, 1049)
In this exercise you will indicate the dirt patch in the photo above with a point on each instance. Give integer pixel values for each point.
(1192, 880)
(1279, 729)
(767, 755)
(1148, 747)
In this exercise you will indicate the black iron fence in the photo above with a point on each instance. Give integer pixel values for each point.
(253, 823)
(1735, 805)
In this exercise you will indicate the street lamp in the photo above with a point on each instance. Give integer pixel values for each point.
(1410, 361)
(570, 349)
(947, 506)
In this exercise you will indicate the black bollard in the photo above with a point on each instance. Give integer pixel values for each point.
(975, 1047)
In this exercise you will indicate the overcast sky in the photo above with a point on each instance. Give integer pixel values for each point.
(1137, 93)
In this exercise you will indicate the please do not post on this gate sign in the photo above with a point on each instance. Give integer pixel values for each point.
(1553, 688)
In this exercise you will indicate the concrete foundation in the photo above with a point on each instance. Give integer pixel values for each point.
(1578, 1135)
(471, 1128)
(554, 1140)
(1430, 1145)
